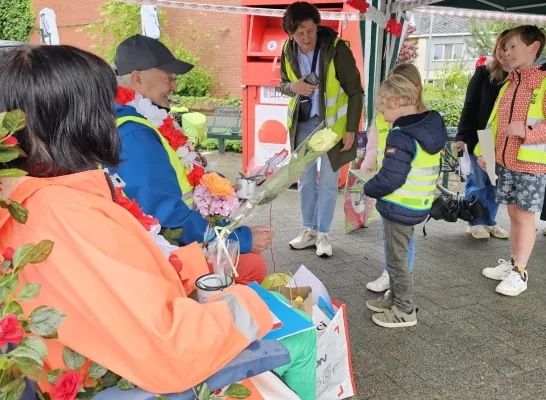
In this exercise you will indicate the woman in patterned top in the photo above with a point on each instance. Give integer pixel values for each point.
(518, 119)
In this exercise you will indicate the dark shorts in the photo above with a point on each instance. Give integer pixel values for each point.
(522, 189)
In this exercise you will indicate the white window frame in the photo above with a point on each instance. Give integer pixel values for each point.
(444, 51)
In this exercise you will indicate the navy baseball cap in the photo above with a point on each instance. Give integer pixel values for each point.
(140, 53)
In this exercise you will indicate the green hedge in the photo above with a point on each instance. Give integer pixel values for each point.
(235, 146)
(450, 109)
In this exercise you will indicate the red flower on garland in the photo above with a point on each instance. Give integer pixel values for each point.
(394, 27)
(133, 207)
(173, 135)
(359, 5)
(194, 177)
(175, 262)
(68, 385)
(8, 253)
(10, 140)
(124, 95)
(481, 61)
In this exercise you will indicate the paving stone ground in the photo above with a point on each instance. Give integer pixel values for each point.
(469, 343)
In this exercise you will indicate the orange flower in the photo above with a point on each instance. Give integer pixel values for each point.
(217, 185)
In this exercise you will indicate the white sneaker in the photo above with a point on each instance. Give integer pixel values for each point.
(324, 248)
(513, 284)
(500, 272)
(478, 232)
(497, 231)
(305, 239)
(380, 284)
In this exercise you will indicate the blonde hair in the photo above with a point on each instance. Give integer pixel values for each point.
(397, 87)
(496, 73)
(411, 73)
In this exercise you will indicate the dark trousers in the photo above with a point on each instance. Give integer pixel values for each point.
(398, 238)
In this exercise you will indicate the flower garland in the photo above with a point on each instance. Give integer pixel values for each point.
(169, 129)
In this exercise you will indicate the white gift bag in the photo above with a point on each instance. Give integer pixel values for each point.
(335, 378)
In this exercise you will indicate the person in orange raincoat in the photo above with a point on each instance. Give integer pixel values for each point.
(126, 305)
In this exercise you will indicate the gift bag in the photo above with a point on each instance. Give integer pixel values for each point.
(335, 378)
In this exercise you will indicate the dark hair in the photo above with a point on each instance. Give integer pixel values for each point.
(528, 34)
(298, 12)
(68, 97)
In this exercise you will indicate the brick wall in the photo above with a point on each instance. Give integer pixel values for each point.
(214, 37)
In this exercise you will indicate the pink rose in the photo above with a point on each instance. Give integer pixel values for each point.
(67, 386)
(11, 330)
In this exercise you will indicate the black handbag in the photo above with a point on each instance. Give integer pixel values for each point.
(306, 103)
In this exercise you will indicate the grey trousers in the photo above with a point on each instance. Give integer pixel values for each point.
(398, 239)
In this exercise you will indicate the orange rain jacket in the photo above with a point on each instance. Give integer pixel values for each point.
(125, 304)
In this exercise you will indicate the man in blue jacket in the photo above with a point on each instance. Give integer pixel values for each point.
(146, 66)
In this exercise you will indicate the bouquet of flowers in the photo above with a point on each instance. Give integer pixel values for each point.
(215, 199)
(288, 171)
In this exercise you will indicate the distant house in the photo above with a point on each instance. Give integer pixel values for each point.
(441, 42)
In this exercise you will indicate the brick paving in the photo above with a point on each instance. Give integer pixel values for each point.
(469, 343)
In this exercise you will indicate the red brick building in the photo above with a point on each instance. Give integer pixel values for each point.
(219, 47)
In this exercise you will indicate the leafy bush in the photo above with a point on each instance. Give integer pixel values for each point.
(235, 146)
(450, 109)
(120, 21)
(16, 20)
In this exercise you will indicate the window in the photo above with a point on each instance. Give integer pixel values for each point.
(452, 51)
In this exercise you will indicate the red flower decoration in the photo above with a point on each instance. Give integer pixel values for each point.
(173, 135)
(194, 177)
(394, 27)
(359, 5)
(8, 253)
(10, 140)
(481, 61)
(133, 207)
(68, 385)
(175, 262)
(11, 330)
(124, 95)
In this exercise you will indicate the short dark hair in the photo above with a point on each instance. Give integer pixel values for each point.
(298, 12)
(68, 96)
(528, 34)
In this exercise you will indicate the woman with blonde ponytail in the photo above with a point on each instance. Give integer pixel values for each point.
(376, 134)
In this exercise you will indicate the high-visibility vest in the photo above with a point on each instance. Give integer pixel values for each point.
(181, 172)
(417, 193)
(535, 153)
(382, 128)
(336, 99)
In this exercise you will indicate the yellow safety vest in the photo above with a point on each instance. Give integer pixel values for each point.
(417, 193)
(535, 153)
(336, 100)
(382, 128)
(181, 172)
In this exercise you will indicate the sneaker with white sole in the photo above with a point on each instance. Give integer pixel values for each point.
(305, 239)
(514, 284)
(394, 318)
(324, 247)
(478, 232)
(380, 284)
(381, 304)
(497, 231)
(499, 272)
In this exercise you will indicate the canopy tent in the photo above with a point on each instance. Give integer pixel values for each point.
(381, 49)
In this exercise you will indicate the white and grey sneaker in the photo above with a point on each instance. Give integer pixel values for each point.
(324, 247)
(500, 272)
(305, 239)
(514, 284)
(380, 284)
(478, 232)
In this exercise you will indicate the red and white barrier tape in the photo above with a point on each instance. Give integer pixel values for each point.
(373, 14)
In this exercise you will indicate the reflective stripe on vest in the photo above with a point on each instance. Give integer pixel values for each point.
(382, 128)
(535, 153)
(336, 101)
(181, 173)
(417, 193)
